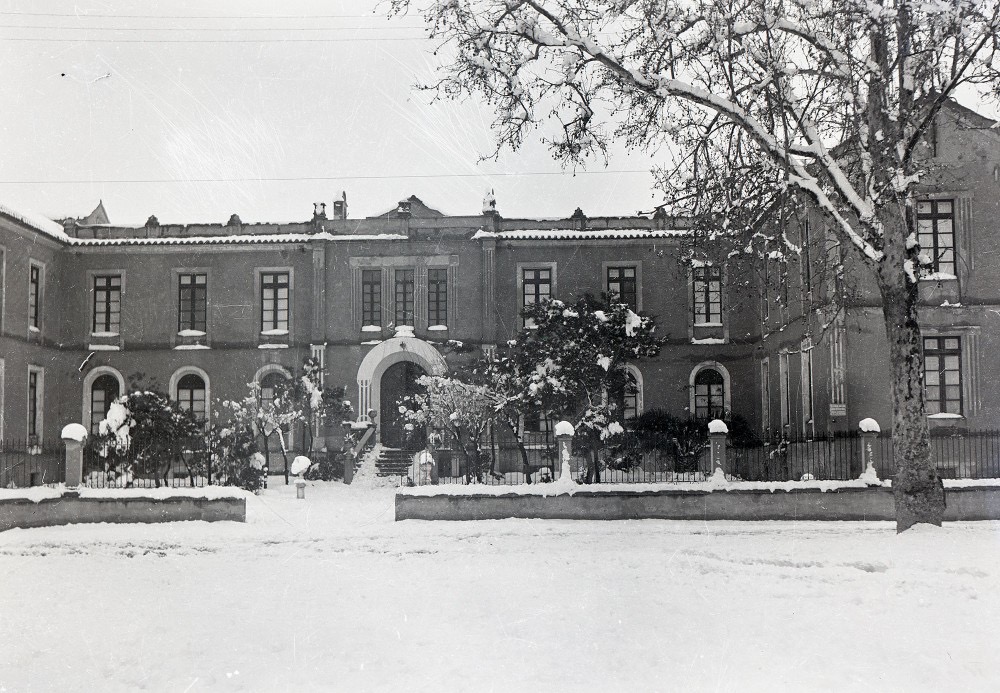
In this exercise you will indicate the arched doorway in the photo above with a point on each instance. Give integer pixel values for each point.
(398, 382)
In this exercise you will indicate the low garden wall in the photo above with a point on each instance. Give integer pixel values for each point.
(48, 507)
(847, 503)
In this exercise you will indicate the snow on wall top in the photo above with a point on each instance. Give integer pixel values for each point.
(36, 221)
(572, 235)
(236, 239)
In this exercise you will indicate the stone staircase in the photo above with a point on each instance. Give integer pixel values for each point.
(394, 462)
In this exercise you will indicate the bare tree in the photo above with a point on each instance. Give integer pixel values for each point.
(755, 105)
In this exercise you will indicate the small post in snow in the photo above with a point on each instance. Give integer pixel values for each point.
(869, 432)
(717, 432)
(299, 466)
(73, 436)
(564, 440)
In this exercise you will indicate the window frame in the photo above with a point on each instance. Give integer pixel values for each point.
(259, 275)
(3, 289)
(35, 413)
(522, 267)
(726, 385)
(703, 297)
(934, 216)
(36, 294)
(174, 386)
(409, 296)
(191, 309)
(634, 265)
(376, 309)
(106, 311)
(433, 309)
(941, 353)
(93, 425)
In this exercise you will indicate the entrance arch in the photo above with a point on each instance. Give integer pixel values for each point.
(385, 355)
(399, 382)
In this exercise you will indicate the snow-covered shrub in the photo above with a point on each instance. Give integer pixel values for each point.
(236, 459)
(143, 436)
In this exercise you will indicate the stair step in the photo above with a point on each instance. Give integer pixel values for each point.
(394, 462)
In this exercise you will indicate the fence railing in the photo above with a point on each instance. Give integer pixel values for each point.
(967, 455)
(175, 464)
(25, 463)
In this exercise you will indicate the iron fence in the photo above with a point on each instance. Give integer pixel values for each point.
(184, 462)
(26, 463)
(964, 455)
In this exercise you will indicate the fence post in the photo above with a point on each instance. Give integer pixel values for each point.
(717, 432)
(564, 442)
(869, 432)
(73, 436)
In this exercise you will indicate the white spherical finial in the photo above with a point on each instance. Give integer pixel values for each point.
(869, 426)
(717, 426)
(564, 428)
(74, 431)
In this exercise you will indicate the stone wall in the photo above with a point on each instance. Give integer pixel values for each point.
(876, 503)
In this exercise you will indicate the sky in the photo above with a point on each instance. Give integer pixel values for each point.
(194, 111)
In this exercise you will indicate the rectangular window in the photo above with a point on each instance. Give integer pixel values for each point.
(783, 391)
(621, 282)
(3, 287)
(765, 395)
(806, 260)
(943, 374)
(536, 287)
(806, 375)
(536, 422)
(35, 395)
(192, 302)
(107, 303)
(936, 235)
(34, 296)
(274, 301)
(437, 297)
(404, 297)
(707, 295)
(371, 297)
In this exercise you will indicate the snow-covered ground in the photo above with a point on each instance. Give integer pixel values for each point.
(328, 593)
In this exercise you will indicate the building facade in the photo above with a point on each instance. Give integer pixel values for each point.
(89, 309)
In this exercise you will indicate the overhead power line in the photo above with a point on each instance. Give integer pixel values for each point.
(320, 178)
(212, 29)
(353, 39)
(88, 15)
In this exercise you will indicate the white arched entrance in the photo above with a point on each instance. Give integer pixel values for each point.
(403, 347)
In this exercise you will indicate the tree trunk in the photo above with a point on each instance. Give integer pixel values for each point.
(917, 489)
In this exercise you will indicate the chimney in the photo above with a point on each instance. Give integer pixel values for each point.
(403, 210)
(580, 219)
(319, 211)
(340, 205)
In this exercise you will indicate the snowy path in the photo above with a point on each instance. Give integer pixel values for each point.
(330, 594)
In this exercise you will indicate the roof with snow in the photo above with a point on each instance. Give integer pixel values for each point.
(577, 235)
(240, 239)
(35, 221)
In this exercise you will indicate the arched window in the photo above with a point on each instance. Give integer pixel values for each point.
(271, 384)
(632, 399)
(709, 394)
(191, 395)
(103, 392)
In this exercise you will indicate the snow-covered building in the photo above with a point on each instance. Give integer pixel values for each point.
(826, 372)
(202, 309)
